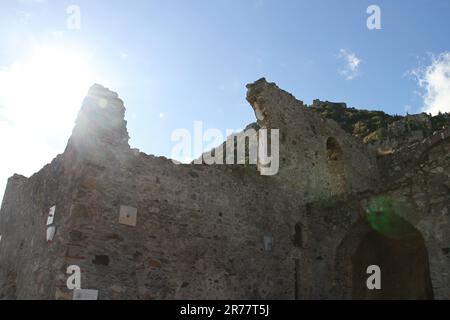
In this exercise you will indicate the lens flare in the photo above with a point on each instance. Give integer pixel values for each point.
(384, 215)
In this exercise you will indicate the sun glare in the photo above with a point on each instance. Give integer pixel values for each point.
(40, 95)
(49, 86)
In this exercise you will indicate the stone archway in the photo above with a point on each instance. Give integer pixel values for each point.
(403, 262)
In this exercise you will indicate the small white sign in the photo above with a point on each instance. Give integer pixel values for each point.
(51, 233)
(85, 294)
(268, 243)
(128, 216)
(51, 215)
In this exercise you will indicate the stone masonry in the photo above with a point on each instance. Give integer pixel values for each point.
(143, 227)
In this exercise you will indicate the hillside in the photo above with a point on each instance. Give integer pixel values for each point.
(377, 127)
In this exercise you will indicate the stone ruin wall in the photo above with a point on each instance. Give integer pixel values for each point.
(201, 230)
(418, 174)
(27, 263)
(304, 165)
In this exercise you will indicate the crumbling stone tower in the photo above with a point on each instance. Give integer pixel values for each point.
(142, 227)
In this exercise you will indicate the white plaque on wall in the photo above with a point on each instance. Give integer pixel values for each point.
(51, 215)
(51, 233)
(128, 216)
(85, 294)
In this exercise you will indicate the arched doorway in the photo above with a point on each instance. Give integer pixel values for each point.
(403, 263)
(396, 247)
(335, 164)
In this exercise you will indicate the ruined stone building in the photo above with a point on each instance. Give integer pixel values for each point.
(143, 227)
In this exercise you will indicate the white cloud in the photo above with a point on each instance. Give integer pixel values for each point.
(352, 63)
(434, 80)
(162, 115)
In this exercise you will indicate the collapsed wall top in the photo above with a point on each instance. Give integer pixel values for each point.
(271, 104)
(100, 128)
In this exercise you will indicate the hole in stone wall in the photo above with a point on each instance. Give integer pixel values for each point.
(101, 260)
(335, 164)
(334, 151)
(298, 235)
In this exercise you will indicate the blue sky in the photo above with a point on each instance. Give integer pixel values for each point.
(174, 62)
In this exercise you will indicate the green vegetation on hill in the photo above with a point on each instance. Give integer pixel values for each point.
(440, 120)
(370, 126)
